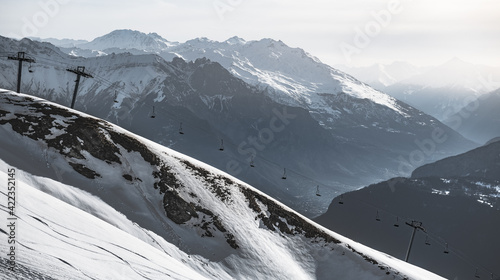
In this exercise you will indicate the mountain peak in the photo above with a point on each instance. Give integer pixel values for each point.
(129, 39)
(456, 62)
(235, 40)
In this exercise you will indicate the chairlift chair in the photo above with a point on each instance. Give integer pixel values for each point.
(180, 129)
(377, 217)
(284, 174)
(221, 148)
(397, 222)
(317, 191)
(446, 251)
(30, 68)
(153, 114)
(427, 242)
(341, 200)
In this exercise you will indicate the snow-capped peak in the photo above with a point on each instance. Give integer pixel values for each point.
(129, 39)
(296, 77)
(235, 41)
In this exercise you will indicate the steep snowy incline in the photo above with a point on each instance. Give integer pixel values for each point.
(206, 213)
(54, 240)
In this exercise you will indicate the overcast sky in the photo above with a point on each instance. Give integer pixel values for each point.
(352, 32)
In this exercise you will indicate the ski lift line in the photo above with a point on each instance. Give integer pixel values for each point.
(386, 212)
(113, 85)
(288, 170)
(53, 62)
(457, 252)
(102, 80)
(431, 235)
(434, 237)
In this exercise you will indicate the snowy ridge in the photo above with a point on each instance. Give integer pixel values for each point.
(129, 39)
(238, 231)
(295, 75)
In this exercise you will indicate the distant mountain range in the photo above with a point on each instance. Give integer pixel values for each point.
(440, 90)
(479, 120)
(266, 103)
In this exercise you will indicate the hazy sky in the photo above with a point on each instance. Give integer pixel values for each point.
(353, 32)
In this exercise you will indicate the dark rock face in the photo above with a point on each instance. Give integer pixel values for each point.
(280, 219)
(80, 134)
(177, 209)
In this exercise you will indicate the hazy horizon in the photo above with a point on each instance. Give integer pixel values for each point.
(353, 33)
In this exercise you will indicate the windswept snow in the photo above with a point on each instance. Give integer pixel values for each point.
(57, 238)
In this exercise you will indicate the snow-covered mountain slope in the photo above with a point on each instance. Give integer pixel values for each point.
(296, 77)
(235, 230)
(56, 240)
(345, 144)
